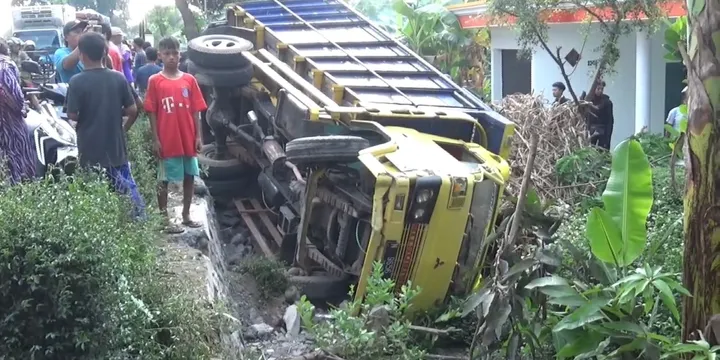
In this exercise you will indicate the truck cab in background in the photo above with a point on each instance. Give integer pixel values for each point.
(43, 25)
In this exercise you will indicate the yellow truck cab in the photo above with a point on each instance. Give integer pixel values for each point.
(367, 153)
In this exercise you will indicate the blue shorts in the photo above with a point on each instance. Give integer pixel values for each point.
(123, 182)
(175, 170)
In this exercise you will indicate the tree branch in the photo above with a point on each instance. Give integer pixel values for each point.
(558, 61)
(566, 77)
(592, 13)
(520, 206)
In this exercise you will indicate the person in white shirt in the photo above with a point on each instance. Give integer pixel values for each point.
(675, 116)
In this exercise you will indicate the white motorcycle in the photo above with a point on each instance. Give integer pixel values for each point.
(55, 139)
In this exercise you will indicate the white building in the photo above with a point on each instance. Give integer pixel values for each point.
(643, 87)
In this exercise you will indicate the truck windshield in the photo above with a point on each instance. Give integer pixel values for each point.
(44, 39)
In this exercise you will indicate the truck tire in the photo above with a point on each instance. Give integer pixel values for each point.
(224, 29)
(323, 149)
(227, 77)
(240, 187)
(219, 169)
(320, 286)
(219, 51)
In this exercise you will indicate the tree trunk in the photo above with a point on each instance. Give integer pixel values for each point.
(189, 23)
(701, 268)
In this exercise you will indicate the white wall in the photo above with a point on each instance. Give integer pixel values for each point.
(620, 84)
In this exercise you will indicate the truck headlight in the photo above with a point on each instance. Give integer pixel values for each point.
(424, 196)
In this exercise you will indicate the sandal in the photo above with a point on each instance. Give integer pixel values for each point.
(173, 229)
(192, 224)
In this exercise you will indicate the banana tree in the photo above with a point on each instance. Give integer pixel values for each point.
(605, 318)
(702, 196)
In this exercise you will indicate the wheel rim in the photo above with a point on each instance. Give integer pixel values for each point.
(212, 154)
(220, 43)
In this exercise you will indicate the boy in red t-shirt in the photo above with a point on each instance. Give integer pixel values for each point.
(174, 102)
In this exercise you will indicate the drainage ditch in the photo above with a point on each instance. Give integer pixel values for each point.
(258, 324)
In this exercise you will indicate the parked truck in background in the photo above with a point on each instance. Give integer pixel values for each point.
(42, 24)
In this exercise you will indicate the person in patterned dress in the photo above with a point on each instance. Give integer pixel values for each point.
(16, 147)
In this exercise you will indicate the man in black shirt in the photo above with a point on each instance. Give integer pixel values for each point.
(558, 89)
(97, 99)
(600, 119)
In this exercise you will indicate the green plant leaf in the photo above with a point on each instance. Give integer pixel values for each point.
(628, 197)
(630, 278)
(582, 344)
(636, 344)
(672, 57)
(547, 258)
(520, 267)
(605, 237)
(569, 300)
(667, 298)
(624, 326)
(547, 281)
(677, 287)
(586, 314)
(474, 300)
(558, 291)
(402, 8)
(672, 37)
(532, 203)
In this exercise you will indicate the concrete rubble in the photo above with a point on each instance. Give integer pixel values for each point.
(223, 241)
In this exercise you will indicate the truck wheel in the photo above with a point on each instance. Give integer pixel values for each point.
(219, 51)
(226, 77)
(243, 33)
(320, 286)
(321, 149)
(219, 169)
(240, 187)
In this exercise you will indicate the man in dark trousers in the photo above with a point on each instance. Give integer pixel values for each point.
(600, 118)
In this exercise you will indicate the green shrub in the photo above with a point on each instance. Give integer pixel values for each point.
(665, 230)
(66, 248)
(269, 275)
(656, 147)
(585, 165)
(142, 160)
(80, 279)
(376, 328)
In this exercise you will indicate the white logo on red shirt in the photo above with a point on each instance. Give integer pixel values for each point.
(168, 103)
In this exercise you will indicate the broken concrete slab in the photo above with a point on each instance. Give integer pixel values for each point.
(292, 320)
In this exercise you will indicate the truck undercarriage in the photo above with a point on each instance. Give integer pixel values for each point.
(355, 171)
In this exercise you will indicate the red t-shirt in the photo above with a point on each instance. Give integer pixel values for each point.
(174, 103)
(115, 57)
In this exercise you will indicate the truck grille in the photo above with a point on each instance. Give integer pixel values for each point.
(407, 252)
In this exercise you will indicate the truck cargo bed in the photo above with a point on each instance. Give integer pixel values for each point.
(356, 63)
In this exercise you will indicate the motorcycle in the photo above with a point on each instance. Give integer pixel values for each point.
(55, 139)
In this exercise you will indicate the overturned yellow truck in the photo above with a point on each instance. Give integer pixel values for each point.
(367, 153)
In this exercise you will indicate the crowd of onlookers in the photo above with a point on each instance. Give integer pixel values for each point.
(137, 60)
(104, 74)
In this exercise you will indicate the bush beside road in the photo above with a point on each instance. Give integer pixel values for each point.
(81, 280)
